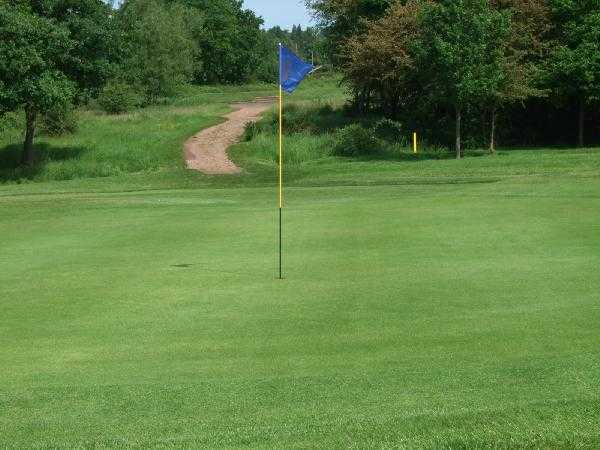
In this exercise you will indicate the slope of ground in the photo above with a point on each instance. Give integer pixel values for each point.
(146, 141)
(206, 151)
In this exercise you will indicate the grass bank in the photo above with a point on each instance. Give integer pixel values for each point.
(144, 141)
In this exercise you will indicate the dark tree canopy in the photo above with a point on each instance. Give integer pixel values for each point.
(48, 49)
(342, 19)
(158, 51)
(227, 41)
(530, 65)
(91, 28)
(574, 65)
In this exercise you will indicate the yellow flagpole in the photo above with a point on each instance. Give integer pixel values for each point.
(280, 146)
(280, 168)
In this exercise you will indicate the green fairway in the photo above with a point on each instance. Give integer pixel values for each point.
(209, 242)
(427, 303)
(431, 315)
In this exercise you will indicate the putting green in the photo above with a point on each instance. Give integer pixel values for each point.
(431, 315)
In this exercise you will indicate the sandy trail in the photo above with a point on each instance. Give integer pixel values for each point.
(207, 150)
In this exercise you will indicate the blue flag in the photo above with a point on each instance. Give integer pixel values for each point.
(292, 70)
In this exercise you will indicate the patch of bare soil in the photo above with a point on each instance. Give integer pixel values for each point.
(207, 150)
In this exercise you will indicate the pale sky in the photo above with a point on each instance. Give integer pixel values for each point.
(284, 13)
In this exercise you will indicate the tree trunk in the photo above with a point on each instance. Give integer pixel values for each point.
(581, 137)
(493, 132)
(458, 141)
(28, 156)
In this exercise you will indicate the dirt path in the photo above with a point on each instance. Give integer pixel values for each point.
(207, 150)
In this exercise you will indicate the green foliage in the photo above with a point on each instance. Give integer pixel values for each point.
(33, 52)
(228, 40)
(159, 52)
(388, 130)
(146, 140)
(355, 140)
(251, 130)
(574, 65)
(47, 51)
(462, 47)
(575, 60)
(315, 118)
(59, 120)
(119, 97)
(380, 65)
(90, 24)
(10, 121)
(486, 64)
(149, 140)
(342, 19)
(301, 149)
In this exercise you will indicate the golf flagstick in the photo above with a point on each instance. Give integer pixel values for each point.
(292, 70)
(280, 165)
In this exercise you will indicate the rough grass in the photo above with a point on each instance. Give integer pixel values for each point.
(146, 140)
(141, 141)
(313, 132)
(427, 303)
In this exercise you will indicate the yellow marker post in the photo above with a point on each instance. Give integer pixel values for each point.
(415, 143)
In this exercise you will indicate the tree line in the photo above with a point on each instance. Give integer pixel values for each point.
(57, 54)
(527, 70)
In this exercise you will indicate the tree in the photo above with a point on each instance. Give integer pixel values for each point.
(34, 52)
(574, 65)
(159, 51)
(462, 47)
(49, 52)
(92, 58)
(342, 19)
(381, 60)
(522, 52)
(228, 41)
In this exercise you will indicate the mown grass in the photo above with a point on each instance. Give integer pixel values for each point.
(428, 303)
(424, 315)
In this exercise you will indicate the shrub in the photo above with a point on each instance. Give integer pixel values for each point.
(59, 121)
(304, 119)
(11, 120)
(306, 147)
(297, 119)
(118, 97)
(355, 140)
(251, 130)
(325, 110)
(388, 130)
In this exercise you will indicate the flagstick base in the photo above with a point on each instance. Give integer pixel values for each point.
(280, 243)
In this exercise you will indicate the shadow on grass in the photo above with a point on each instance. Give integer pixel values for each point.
(415, 157)
(11, 168)
(210, 269)
(316, 120)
